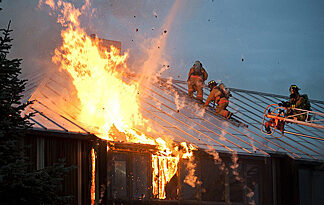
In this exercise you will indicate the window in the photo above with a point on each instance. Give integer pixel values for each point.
(119, 188)
(236, 185)
(253, 181)
(140, 176)
(213, 181)
(130, 176)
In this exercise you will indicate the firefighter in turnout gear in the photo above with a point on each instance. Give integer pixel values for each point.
(296, 101)
(220, 95)
(196, 77)
(279, 124)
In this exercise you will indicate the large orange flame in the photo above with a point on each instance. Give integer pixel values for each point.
(109, 101)
(106, 100)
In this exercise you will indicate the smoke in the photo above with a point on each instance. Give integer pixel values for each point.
(191, 179)
(35, 36)
(157, 48)
(251, 141)
(223, 133)
(142, 27)
(250, 195)
(235, 171)
(179, 101)
(197, 109)
(217, 160)
(235, 167)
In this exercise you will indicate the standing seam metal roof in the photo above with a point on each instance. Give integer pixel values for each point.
(166, 105)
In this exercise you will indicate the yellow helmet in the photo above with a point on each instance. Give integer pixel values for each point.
(212, 84)
(294, 88)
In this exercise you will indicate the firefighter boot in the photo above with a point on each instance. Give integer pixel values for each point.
(267, 127)
(229, 116)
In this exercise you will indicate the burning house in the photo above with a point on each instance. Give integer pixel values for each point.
(139, 140)
(192, 157)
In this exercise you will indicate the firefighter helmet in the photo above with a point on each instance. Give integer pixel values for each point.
(197, 63)
(212, 84)
(294, 88)
(221, 86)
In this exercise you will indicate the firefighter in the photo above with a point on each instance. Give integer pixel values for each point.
(296, 100)
(279, 124)
(196, 77)
(211, 85)
(220, 95)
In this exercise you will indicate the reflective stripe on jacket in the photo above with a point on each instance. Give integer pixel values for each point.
(222, 100)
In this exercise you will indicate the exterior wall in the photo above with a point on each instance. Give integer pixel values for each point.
(129, 180)
(124, 174)
(297, 182)
(245, 182)
(285, 180)
(252, 180)
(46, 148)
(311, 184)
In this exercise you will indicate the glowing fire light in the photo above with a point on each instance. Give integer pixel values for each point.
(93, 176)
(106, 100)
(109, 106)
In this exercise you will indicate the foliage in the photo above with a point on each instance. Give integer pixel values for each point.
(19, 184)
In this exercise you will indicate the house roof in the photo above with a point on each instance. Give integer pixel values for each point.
(166, 105)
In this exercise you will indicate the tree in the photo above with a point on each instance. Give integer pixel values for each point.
(18, 183)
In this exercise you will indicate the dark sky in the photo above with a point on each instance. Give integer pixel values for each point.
(280, 42)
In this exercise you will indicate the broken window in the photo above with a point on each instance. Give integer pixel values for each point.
(119, 189)
(130, 175)
(140, 176)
